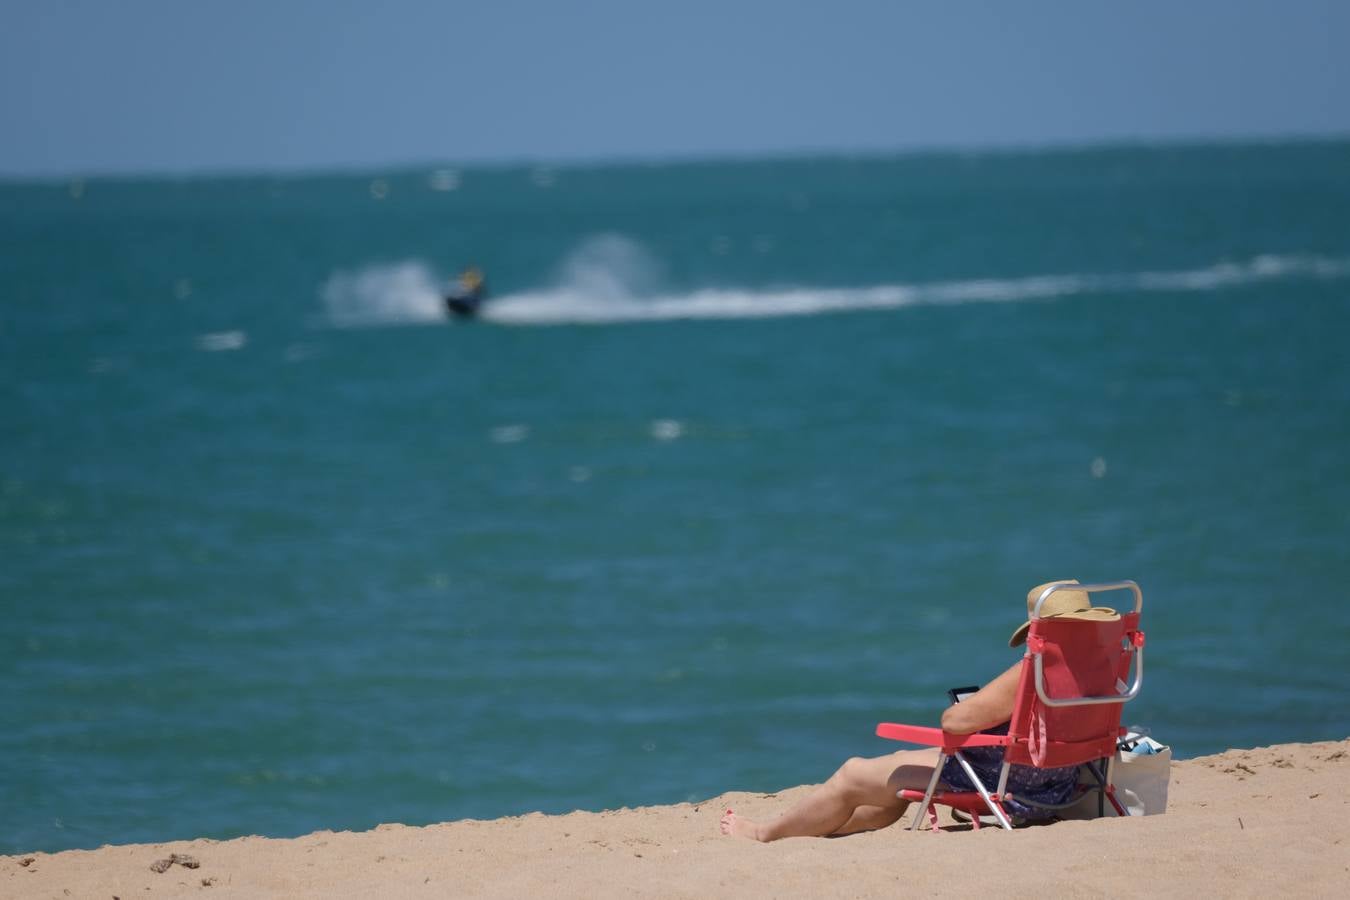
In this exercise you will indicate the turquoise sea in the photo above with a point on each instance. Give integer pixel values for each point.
(745, 457)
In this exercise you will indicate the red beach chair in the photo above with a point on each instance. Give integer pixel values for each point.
(1067, 712)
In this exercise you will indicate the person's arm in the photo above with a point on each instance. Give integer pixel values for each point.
(991, 705)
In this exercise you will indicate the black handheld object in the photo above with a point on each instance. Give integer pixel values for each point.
(961, 693)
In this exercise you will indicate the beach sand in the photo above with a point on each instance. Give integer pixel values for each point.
(1245, 823)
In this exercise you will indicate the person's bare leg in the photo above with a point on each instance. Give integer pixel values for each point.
(830, 807)
(871, 818)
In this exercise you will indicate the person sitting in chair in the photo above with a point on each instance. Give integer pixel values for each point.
(861, 794)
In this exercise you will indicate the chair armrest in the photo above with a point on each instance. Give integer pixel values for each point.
(936, 737)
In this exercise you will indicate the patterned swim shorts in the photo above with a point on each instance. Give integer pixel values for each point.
(1040, 785)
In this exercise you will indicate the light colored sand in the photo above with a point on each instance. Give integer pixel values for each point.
(1246, 823)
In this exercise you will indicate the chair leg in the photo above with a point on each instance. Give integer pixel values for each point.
(928, 795)
(1110, 792)
(1100, 788)
(1109, 788)
(994, 806)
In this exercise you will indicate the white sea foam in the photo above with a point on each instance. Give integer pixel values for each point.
(509, 434)
(219, 341)
(612, 279)
(404, 292)
(667, 429)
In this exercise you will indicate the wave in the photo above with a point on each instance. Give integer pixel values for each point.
(610, 279)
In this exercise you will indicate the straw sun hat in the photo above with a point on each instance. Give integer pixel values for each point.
(1062, 605)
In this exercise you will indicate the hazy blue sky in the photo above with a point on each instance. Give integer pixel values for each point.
(132, 85)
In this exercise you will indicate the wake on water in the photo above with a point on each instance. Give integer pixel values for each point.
(612, 279)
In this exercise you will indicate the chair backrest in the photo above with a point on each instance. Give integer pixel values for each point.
(1087, 664)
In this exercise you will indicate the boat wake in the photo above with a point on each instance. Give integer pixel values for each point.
(610, 279)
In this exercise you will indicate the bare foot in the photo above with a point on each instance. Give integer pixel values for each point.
(735, 825)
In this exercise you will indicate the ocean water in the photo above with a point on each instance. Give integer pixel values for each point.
(745, 457)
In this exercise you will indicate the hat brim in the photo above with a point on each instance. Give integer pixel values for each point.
(1091, 614)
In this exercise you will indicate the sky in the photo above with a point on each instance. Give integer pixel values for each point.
(154, 86)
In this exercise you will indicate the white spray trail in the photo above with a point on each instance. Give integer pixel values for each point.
(612, 279)
(399, 293)
(573, 303)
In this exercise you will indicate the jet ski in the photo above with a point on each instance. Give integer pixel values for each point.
(466, 295)
(463, 304)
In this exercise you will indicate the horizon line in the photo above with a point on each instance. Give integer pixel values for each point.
(678, 158)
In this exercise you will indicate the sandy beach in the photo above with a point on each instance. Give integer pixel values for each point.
(1244, 823)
